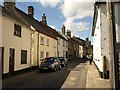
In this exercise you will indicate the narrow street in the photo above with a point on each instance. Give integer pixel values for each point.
(34, 79)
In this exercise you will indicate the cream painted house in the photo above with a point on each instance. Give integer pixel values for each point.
(62, 43)
(48, 46)
(44, 42)
(25, 41)
(43, 46)
(16, 40)
(62, 47)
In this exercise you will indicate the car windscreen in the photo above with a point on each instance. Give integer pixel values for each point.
(48, 60)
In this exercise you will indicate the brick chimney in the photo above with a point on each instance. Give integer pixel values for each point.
(44, 19)
(87, 39)
(9, 4)
(31, 11)
(69, 33)
(87, 42)
(63, 29)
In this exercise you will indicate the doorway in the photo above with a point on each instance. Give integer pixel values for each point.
(1, 58)
(11, 61)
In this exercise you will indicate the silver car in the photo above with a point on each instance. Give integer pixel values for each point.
(50, 63)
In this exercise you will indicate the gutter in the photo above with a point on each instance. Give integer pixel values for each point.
(38, 49)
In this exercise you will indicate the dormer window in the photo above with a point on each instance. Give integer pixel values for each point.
(17, 30)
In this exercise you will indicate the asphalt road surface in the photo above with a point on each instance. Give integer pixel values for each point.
(47, 79)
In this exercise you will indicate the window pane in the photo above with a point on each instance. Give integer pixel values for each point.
(41, 54)
(42, 40)
(23, 56)
(17, 30)
(47, 42)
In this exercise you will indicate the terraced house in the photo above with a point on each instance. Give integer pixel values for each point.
(16, 40)
(62, 43)
(44, 42)
(25, 41)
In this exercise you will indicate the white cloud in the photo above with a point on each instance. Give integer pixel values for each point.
(77, 27)
(50, 3)
(80, 26)
(72, 10)
(76, 9)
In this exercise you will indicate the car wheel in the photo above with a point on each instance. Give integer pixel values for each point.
(60, 67)
(54, 69)
(66, 64)
(40, 70)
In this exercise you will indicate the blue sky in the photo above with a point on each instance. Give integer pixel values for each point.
(77, 16)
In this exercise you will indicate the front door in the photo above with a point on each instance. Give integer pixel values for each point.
(66, 54)
(47, 54)
(11, 61)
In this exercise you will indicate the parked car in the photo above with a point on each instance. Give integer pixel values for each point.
(63, 61)
(50, 63)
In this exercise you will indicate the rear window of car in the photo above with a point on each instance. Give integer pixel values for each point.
(61, 58)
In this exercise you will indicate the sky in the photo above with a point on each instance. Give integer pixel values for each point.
(76, 15)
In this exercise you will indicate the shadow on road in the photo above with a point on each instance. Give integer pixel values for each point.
(44, 79)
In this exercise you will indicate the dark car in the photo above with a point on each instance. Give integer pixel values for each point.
(51, 63)
(63, 61)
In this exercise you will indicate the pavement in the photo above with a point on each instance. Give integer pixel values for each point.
(92, 79)
(77, 77)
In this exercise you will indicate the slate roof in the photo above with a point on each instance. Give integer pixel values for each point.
(12, 14)
(54, 31)
(78, 40)
(64, 36)
(23, 18)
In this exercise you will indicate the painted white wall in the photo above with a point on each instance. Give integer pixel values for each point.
(101, 35)
(97, 44)
(9, 40)
(104, 34)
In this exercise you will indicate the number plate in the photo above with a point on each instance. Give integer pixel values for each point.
(45, 68)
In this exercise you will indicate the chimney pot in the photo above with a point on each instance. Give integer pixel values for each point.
(63, 29)
(69, 33)
(9, 4)
(44, 19)
(31, 11)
